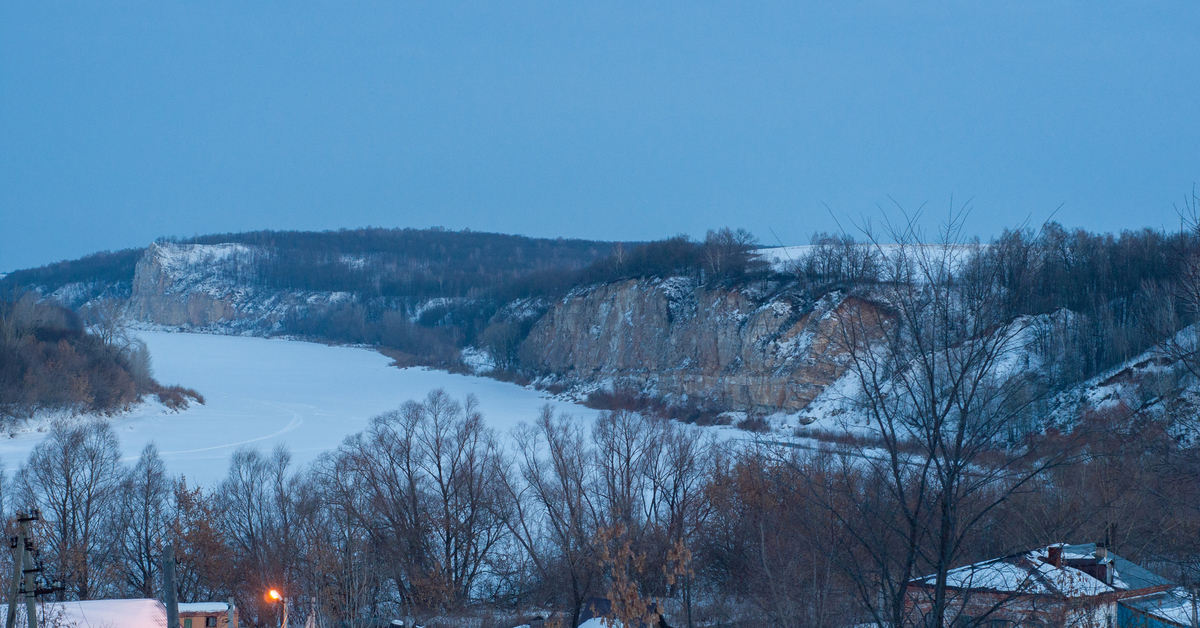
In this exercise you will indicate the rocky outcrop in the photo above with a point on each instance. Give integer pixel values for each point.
(178, 285)
(209, 286)
(724, 349)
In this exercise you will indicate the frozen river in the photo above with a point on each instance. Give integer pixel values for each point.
(262, 392)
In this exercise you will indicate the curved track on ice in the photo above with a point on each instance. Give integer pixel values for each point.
(264, 392)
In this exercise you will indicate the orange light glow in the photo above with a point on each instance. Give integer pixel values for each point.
(275, 595)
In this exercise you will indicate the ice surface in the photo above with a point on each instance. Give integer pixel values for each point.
(263, 392)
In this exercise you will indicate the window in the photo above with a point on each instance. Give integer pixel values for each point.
(187, 623)
(210, 622)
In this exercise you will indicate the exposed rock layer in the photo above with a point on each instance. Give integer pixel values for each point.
(724, 349)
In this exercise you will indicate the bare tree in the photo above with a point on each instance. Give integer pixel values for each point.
(375, 479)
(421, 483)
(933, 350)
(74, 478)
(202, 554)
(105, 319)
(728, 253)
(553, 513)
(145, 518)
(840, 260)
(257, 499)
(1178, 301)
(626, 446)
(343, 577)
(460, 461)
(680, 474)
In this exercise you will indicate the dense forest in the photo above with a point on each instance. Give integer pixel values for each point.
(106, 274)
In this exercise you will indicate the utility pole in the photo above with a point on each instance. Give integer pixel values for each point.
(30, 586)
(230, 611)
(23, 565)
(168, 569)
(18, 546)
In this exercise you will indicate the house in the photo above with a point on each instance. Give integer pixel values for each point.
(206, 615)
(1082, 586)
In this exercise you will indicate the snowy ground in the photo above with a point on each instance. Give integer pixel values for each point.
(782, 256)
(263, 392)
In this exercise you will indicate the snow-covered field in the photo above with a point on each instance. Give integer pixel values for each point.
(263, 392)
(783, 256)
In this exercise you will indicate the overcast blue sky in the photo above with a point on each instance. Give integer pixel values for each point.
(124, 121)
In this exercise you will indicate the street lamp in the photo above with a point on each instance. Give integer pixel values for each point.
(274, 596)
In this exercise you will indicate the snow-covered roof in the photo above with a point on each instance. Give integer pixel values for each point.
(1174, 605)
(1127, 577)
(204, 607)
(1031, 573)
(1025, 574)
(137, 613)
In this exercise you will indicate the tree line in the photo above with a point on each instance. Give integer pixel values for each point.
(429, 515)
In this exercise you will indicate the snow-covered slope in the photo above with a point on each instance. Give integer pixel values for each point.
(264, 392)
(1026, 355)
(1155, 384)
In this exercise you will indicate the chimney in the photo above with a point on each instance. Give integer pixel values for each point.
(1101, 552)
(1054, 555)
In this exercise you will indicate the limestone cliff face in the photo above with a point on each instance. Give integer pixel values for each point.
(726, 349)
(205, 286)
(173, 285)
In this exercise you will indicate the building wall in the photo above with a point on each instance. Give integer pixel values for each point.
(1132, 618)
(198, 619)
